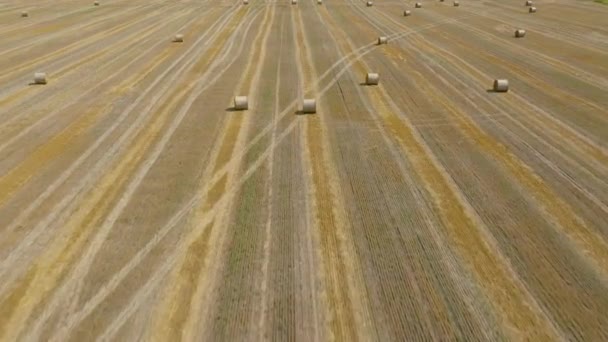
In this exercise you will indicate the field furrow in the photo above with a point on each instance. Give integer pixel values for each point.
(137, 202)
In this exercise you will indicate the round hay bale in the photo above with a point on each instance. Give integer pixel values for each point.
(501, 86)
(369, 4)
(418, 5)
(179, 38)
(40, 78)
(520, 33)
(245, 2)
(319, 2)
(294, 2)
(24, 14)
(456, 3)
(309, 106)
(241, 103)
(96, 3)
(382, 40)
(441, 0)
(529, 3)
(532, 10)
(372, 78)
(407, 13)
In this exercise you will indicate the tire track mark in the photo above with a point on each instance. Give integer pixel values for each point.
(458, 217)
(196, 199)
(130, 81)
(83, 266)
(16, 127)
(173, 319)
(326, 203)
(71, 48)
(113, 188)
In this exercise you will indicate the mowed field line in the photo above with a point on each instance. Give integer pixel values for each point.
(19, 175)
(341, 66)
(107, 157)
(570, 25)
(317, 280)
(270, 195)
(421, 290)
(13, 132)
(509, 298)
(347, 298)
(534, 78)
(201, 241)
(593, 246)
(222, 20)
(79, 27)
(569, 69)
(46, 273)
(162, 271)
(344, 63)
(124, 44)
(533, 25)
(187, 208)
(16, 92)
(594, 154)
(226, 302)
(558, 210)
(70, 69)
(520, 105)
(83, 266)
(71, 48)
(174, 315)
(46, 24)
(177, 218)
(434, 52)
(440, 314)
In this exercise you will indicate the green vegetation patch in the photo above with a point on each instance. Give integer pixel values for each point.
(605, 2)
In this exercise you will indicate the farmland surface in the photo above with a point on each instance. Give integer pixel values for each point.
(137, 204)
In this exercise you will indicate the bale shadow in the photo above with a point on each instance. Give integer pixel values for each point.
(36, 84)
(232, 109)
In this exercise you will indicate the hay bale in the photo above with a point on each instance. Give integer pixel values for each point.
(520, 33)
(245, 2)
(532, 10)
(418, 5)
(319, 2)
(407, 13)
(241, 103)
(456, 3)
(294, 2)
(382, 40)
(372, 78)
(179, 38)
(369, 4)
(96, 3)
(40, 78)
(24, 14)
(529, 3)
(501, 86)
(309, 106)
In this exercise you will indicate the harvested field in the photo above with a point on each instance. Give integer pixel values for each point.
(137, 202)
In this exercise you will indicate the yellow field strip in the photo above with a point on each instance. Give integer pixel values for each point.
(67, 249)
(173, 320)
(508, 296)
